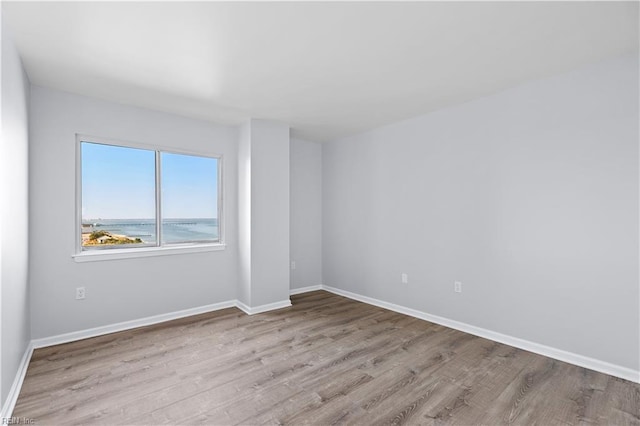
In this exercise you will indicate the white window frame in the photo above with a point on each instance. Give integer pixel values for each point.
(81, 255)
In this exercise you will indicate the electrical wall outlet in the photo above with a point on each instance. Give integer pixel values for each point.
(293, 264)
(404, 278)
(457, 287)
(80, 293)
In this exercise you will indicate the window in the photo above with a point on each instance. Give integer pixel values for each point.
(134, 198)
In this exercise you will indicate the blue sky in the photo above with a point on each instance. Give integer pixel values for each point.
(119, 183)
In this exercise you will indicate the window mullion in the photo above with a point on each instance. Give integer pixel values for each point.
(158, 201)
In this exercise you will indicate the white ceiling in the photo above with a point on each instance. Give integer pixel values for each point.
(328, 69)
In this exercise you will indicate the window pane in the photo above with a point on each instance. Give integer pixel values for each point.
(118, 196)
(189, 198)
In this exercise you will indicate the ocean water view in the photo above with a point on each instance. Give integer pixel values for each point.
(173, 230)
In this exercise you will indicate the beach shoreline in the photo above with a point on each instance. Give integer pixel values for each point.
(106, 238)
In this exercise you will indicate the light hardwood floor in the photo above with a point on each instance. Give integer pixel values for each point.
(325, 360)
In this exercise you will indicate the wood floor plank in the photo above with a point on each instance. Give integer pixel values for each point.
(325, 360)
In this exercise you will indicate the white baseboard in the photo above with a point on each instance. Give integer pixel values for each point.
(263, 308)
(12, 397)
(559, 354)
(128, 325)
(244, 308)
(305, 289)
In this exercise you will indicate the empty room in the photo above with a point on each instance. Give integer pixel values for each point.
(244, 213)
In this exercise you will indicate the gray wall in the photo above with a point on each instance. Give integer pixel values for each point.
(117, 290)
(306, 213)
(244, 214)
(14, 215)
(263, 197)
(528, 197)
(269, 212)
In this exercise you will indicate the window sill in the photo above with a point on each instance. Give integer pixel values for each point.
(115, 254)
